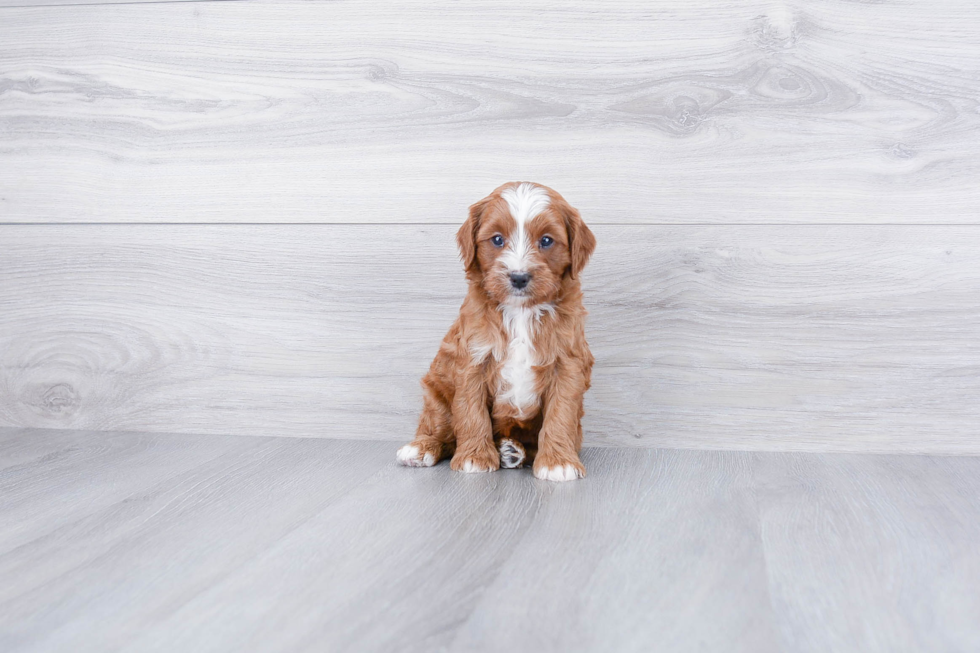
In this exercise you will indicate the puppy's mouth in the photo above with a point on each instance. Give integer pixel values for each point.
(519, 295)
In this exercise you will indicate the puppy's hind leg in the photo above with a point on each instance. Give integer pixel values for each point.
(434, 436)
(512, 454)
(517, 442)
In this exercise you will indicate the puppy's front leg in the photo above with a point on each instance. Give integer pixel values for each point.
(561, 432)
(475, 451)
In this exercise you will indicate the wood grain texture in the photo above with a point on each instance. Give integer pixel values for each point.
(759, 337)
(748, 111)
(652, 553)
(7, 4)
(291, 544)
(853, 556)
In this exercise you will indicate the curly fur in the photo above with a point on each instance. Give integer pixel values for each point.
(508, 381)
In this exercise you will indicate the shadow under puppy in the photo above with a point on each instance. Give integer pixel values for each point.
(507, 384)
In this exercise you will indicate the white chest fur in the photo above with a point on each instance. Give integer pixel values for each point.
(517, 380)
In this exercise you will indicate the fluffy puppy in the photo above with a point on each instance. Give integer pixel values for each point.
(507, 384)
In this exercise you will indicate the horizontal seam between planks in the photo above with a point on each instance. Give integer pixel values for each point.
(457, 223)
(103, 4)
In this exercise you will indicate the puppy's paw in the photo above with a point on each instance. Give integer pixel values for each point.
(559, 471)
(471, 463)
(413, 455)
(512, 454)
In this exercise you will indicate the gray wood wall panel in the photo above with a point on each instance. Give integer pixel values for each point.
(856, 338)
(741, 111)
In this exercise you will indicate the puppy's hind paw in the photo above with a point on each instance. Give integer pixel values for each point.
(512, 454)
(411, 456)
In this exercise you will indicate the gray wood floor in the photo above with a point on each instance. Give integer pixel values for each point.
(140, 542)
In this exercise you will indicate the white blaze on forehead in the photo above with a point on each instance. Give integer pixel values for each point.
(524, 201)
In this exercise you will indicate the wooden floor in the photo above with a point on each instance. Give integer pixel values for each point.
(140, 542)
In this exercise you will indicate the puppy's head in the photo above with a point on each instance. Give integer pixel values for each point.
(521, 241)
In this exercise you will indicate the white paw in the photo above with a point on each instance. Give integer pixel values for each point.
(471, 467)
(511, 454)
(409, 456)
(558, 473)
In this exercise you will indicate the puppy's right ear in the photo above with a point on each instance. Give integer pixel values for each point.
(466, 236)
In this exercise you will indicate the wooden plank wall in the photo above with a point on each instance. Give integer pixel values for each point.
(237, 217)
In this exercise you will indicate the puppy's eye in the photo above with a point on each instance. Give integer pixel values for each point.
(546, 242)
(498, 241)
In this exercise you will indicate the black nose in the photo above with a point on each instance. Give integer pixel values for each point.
(519, 279)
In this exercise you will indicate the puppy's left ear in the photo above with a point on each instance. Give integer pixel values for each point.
(581, 241)
(466, 236)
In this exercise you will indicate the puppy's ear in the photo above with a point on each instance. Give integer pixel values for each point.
(581, 241)
(466, 236)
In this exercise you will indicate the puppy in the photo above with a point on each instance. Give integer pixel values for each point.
(507, 384)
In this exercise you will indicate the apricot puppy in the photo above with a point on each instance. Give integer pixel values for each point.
(507, 384)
